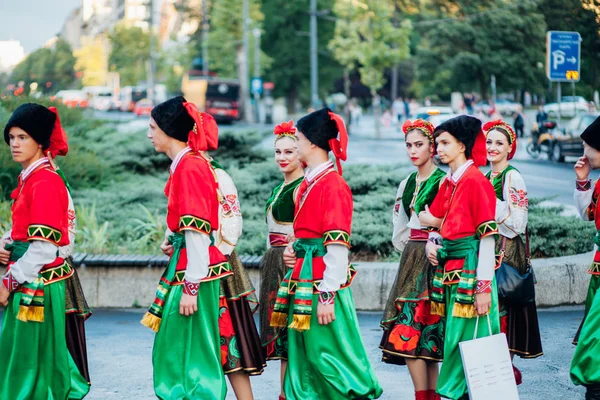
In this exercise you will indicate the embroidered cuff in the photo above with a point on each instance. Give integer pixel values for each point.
(326, 297)
(336, 237)
(190, 288)
(10, 283)
(484, 287)
(487, 228)
(583, 186)
(45, 233)
(192, 223)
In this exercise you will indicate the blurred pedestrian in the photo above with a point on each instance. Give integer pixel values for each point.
(519, 122)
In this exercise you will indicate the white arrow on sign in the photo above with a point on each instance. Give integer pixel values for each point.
(572, 60)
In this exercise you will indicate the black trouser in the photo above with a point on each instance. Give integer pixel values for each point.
(519, 131)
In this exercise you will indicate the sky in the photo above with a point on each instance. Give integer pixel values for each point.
(33, 22)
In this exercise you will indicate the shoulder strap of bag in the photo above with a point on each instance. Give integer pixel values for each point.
(527, 249)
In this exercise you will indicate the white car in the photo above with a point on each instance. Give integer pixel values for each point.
(570, 106)
(506, 107)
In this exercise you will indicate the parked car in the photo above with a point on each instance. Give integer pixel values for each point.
(569, 106)
(440, 118)
(143, 107)
(426, 112)
(567, 142)
(72, 98)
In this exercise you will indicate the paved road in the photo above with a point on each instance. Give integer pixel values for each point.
(120, 351)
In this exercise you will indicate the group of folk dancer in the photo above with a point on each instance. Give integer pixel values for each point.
(448, 226)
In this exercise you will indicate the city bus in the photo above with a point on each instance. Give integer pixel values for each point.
(216, 96)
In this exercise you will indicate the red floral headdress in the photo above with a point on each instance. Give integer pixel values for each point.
(285, 129)
(512, 136)
(424, 126)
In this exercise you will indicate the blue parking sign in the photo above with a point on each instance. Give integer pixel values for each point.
(563, 56)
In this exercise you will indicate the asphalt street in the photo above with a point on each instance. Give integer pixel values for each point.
(120, 359)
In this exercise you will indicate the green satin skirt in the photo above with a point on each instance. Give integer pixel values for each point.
(330, 361)
(584, 366)
(452, 383)
(34, 360)
(186, 354)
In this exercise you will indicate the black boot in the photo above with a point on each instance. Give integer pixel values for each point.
(593, 392)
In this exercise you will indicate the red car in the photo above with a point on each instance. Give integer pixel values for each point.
(143, 107)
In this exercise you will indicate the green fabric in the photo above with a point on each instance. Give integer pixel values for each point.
(330, 361)
(452, 383)
(32, 293)
(306, 249)
(597, 239)
(584, 366)
(36, 363)
(215, 164)
(164, 285)
(427, 191)
(282, 204)
(186, 355)
(498, 181)
(464, 248)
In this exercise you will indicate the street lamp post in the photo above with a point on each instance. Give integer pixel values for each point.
(314, 60)
(256, 32)
(244, 74)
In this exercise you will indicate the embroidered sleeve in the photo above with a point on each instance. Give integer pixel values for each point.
(486, 229)
(38, 254)
(193, 223)
(400, 232)
(10, 283)
(586, 200)
(484, 287)
(336, 237)
(483, 208)
(230, 214)
(337, 218)
(513, 212)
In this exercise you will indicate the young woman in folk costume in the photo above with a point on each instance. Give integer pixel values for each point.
(185, 314)
(412, 335)
(241, 350)
(584, 367)
(327, 358)
(518, 322)
(280, 217)
(42, 342)
(464, 285)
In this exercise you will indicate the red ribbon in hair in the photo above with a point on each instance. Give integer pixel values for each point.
(58, 138)
(479, 151)
(339, 145)
(196, 138)
(211, 130)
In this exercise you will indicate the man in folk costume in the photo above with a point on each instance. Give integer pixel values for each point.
(585, 367)
(464, 208)
(327, 359)
(41, 357)
(186, 354)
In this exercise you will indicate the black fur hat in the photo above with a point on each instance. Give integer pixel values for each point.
(318, 127)
(591, 135)
(34, 119)
(464, 128)
(173, 118)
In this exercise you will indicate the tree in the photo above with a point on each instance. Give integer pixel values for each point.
(470, 40)
(287, 43)
(129, 54)
(366, 37)
(63, 66)
(91, 61)
(47, 65)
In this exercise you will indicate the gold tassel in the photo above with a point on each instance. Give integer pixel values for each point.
(151, 321)
(35, 314)
(464, 310)
(279, 320)
(22, 315)
(301, 323)
(438, 309)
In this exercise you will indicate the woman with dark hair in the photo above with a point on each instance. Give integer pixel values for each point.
(412, 335)
(42, 342)
(518, 322)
